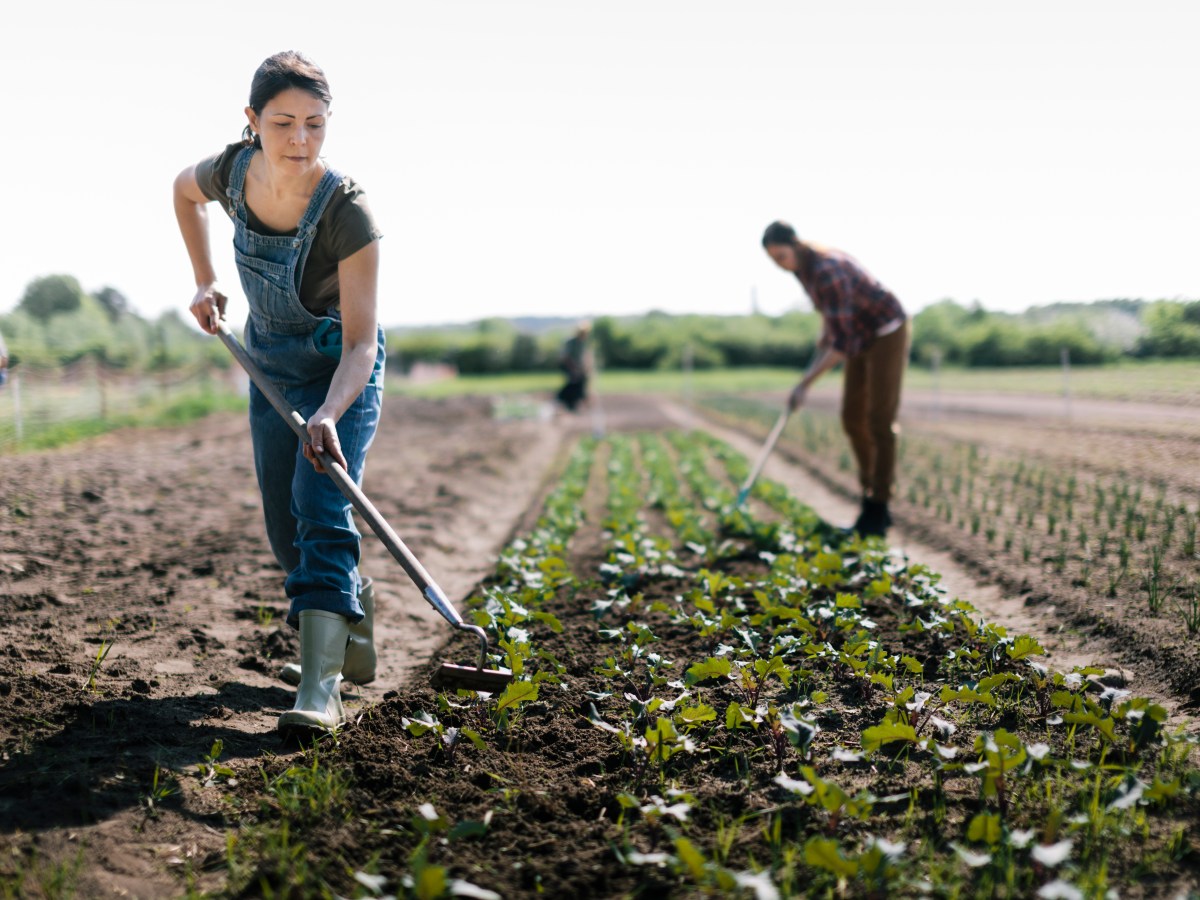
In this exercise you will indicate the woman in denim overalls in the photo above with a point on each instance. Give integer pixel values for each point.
(328, 366)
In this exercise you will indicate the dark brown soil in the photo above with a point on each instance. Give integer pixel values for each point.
(150, 543)
(143, 621)
(1155, 647)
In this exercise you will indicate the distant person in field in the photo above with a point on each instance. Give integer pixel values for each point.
(575, 362)
(307, 252)
(3, 361)
(866, 328)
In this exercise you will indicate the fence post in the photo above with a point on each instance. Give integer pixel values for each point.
(101, 388)
(935, 361)
(16, 389)
(1066, 368)
(687, 375)
(162, 363)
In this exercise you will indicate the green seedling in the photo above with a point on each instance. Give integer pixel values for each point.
(97, 661)
(162, 786)
(1000, 753)
(506, 712)
(1190, 610)
(306, 793)
(210, 770)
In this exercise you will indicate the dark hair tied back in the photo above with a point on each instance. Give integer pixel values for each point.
(779, 233)
(277, 74)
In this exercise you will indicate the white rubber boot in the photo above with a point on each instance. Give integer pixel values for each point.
(360, 652)
(323, 637)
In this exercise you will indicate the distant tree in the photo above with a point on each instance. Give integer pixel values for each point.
(114, 302)
(938, 332)
(494, 325)
(483, 356)
(50, 296)
(525, 354)
(419, 346)
(1172, 329)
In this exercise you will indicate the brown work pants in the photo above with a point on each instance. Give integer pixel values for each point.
(870, 401)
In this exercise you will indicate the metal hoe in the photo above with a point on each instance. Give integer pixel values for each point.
(475, 678)
(762, 457)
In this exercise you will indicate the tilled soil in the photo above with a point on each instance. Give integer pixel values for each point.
(149, 545)
(143, 622)
(1117, 632)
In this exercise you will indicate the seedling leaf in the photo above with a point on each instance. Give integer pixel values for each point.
(878, 735)
(713, 667)
(516, 693)
(821, 853)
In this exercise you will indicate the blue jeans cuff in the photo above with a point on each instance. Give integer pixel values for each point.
(340, 602)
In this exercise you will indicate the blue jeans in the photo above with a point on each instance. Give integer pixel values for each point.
(309, 522)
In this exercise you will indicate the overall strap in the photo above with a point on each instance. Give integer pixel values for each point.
(329, 183)
(306, 231)
(236, 191)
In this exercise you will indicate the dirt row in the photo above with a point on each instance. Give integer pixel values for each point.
(144, 621)
(1084, 626)
(145, 613)
(1155, 443)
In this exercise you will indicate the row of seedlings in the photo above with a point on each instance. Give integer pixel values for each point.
(1031, 774)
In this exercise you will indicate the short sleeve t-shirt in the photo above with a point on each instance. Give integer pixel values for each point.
(345, 227)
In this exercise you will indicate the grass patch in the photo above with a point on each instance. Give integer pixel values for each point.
(1148, 381)
(614, 382)
(1153, 381)
(25, 874)
(176, 412)
(271, 858)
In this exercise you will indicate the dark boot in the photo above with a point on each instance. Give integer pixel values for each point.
(862, 514)
(874, 520)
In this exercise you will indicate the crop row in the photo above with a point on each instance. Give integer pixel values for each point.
(791, 710)
(1114, 536)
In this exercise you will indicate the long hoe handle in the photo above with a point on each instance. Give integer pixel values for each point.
(411, 565)
(762, 457)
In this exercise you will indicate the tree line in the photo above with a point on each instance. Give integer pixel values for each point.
(57, 323)
(945, 333)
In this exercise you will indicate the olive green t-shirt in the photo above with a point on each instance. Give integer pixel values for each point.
(345, 227)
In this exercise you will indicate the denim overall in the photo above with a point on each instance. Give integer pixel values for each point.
(309, 524)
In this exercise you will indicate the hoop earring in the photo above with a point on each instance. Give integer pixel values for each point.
(249, 138)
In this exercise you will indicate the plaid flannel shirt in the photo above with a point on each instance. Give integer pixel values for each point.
(853, 304)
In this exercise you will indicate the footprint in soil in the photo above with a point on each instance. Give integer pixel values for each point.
(29, 603)
(198, 637)
(282, 643)
(265, 652)
(23, 565)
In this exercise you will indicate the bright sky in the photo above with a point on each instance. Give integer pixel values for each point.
(569, 158)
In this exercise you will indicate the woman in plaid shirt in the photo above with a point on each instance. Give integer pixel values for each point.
(866, 328)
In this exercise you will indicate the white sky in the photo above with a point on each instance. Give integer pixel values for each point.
(564, 158)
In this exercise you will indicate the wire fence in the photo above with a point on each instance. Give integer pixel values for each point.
(37, 400)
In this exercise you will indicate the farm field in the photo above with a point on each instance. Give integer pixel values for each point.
(1159, 382)
(710, 701)
(1092, 515)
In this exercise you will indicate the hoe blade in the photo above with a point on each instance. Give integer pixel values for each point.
(471, 678)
